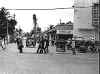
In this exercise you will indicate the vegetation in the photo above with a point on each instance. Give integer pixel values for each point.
(7, 23)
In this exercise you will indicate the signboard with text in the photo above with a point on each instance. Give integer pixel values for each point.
(64, 27)
(64, 31)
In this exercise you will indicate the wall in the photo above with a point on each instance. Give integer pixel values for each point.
(83, 16)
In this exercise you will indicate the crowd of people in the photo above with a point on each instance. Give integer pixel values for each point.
(42, 44)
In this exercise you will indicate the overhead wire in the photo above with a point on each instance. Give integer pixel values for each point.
(52, 8)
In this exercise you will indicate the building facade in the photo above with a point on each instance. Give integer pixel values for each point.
(60, 31)
(83, 19)
(96, 18)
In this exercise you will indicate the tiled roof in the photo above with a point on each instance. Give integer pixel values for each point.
(64, 27)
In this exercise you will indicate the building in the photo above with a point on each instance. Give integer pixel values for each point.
(51, 33)
(83, 19)
(95, 19)
(60, 31)
(64, 31)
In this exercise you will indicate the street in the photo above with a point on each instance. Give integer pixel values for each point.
(12, 62)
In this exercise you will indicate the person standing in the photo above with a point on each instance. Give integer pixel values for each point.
(73, 47)
(19, 44)
(46, 45)
(41, 46)
(3, 44)
(69, 42)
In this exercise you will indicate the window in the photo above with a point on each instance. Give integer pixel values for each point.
(95, 16)
(95, 19)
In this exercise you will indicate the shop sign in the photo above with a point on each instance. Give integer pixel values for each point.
(64, 32)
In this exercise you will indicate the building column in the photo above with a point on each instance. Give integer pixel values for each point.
(99, 36)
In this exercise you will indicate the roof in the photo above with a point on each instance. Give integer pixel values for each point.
(61, 26)
(64, 27)
(86, 29)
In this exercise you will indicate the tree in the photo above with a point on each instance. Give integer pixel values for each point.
(11, 26)
(3, 15)
(51, 26)
(6, 23)
(38, 30)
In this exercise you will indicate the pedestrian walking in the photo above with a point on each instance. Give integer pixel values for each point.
(33, 42)
(41, 46)
(46, 44)
(52, 42)
(69, 42)
(3, 44)
(73, 47)
(19, 44)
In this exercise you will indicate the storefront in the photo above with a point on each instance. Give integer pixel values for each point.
(63, 33)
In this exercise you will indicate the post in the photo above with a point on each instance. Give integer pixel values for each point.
(98, 28)
(7, 32)
(98, 23)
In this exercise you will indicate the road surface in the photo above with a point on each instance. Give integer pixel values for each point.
(12, 62)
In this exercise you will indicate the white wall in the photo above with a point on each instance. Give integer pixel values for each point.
(83, 16)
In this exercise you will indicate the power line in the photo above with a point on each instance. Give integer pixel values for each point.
(54, 8)
(43, 9)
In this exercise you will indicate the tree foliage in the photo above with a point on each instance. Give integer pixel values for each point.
(6, 23)
(38, 30)
(51, 26)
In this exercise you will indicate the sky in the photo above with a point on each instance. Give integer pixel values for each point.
(44, 17)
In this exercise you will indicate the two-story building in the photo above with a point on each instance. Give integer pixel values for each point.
(84, 19)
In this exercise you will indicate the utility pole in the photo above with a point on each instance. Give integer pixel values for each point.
(7, 32)
(98, 32)
(60, 21)
(14, 16)
(98, 22)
